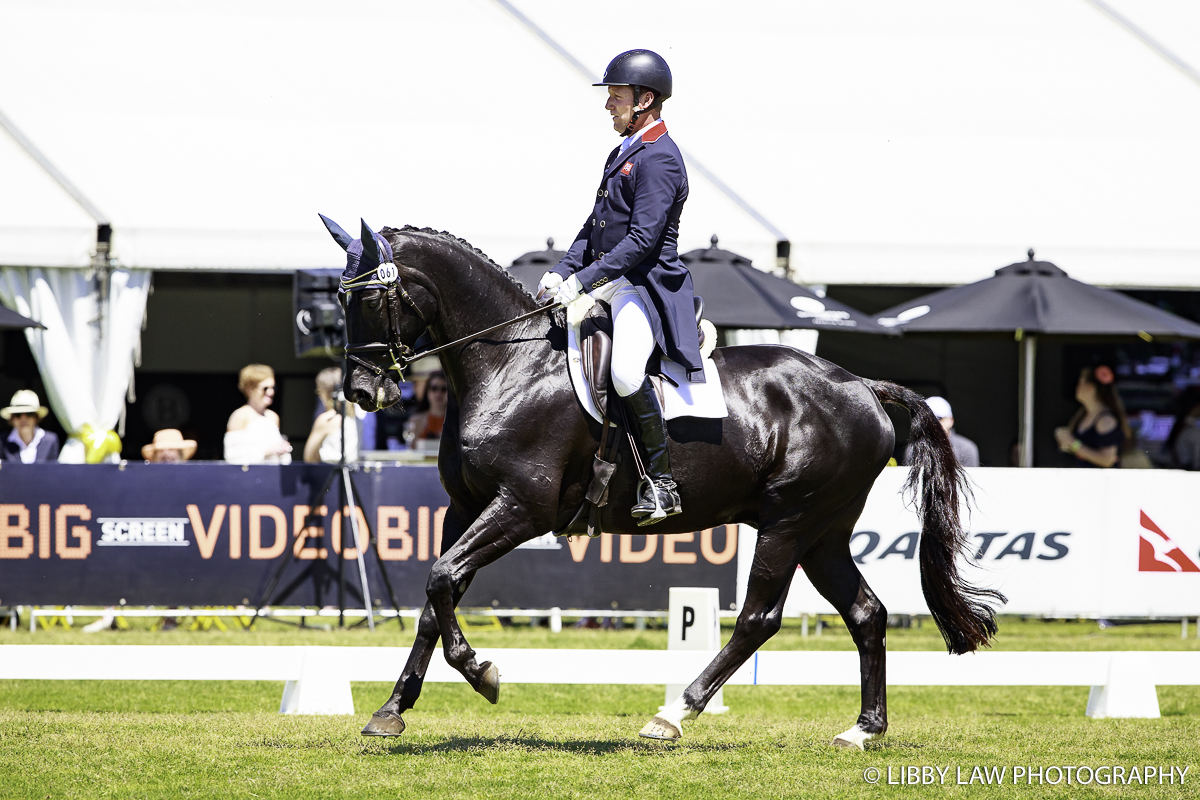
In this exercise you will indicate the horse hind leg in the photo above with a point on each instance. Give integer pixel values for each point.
(762, 614)
(834, 574)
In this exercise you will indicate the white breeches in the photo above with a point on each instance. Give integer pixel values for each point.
(633, 339)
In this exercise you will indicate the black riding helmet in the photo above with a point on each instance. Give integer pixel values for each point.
(641, 69)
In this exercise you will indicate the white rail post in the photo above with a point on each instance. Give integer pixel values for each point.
(1129, 692)
(322, 688)
(694, 623)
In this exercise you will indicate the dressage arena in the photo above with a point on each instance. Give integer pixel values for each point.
(172, 738)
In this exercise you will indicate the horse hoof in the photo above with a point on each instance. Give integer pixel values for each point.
(489, 684)
(384, 725)
(659, 728)
(855, 737)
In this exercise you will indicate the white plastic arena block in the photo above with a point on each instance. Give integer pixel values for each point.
(323, 686)
(1129, 691)
(694, 623)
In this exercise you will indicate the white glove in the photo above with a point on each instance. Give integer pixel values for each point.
(570, 289)
(549, 282)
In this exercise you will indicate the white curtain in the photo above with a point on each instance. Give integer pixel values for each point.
(93, 325)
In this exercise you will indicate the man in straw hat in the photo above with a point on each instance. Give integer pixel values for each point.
(28, 443)
(169, 447)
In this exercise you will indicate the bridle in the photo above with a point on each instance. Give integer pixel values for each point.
(387, 277)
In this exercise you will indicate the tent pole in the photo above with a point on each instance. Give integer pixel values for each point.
(1027, 358)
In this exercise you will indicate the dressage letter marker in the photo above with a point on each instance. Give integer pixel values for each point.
(694, 623)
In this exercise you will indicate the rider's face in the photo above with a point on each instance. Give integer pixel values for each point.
(621, 104)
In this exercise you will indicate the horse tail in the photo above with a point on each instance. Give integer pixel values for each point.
(937, 482)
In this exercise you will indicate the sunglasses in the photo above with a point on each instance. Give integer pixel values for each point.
(437, 388)
(19, 414)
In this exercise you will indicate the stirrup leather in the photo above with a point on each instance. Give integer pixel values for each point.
(657, 499)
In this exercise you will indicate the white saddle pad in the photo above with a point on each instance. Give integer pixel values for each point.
(685, 400)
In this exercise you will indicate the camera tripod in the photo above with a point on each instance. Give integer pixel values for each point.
(348, 500)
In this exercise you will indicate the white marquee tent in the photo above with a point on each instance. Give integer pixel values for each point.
(923, 142)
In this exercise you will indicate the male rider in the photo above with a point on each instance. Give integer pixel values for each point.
(627, 255)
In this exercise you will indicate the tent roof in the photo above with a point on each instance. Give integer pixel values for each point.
(916, 143)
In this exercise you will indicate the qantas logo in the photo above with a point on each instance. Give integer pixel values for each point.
(1157, 552)
(992, 545)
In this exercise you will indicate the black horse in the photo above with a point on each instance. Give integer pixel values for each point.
(795, 458)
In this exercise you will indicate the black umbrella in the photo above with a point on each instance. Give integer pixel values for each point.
(530, 268)
(736, 295)
(1030, 299)
(11, 321)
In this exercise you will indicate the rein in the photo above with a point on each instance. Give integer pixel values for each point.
(387, 276)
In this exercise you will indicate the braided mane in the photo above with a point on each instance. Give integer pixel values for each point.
(462, 244)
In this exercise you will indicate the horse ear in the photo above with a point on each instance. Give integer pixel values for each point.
(335, 230)
(371, 257)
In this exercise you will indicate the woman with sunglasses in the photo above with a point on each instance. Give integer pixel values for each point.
(427, 423)
(28, 443)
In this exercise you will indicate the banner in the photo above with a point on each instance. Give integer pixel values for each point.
(1057, 542)
(212, 534)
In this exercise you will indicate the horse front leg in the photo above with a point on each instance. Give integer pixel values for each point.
(387, 721)
(502, 526)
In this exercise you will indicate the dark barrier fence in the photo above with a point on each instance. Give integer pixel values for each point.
(212, 534)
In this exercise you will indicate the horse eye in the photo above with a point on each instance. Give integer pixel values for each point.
(374, 302)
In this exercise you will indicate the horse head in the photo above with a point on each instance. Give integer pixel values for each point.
(383, 320)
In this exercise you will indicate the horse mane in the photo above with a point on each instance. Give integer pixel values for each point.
(461, 244)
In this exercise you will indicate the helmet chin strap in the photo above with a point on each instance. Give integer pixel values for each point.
(637, 112)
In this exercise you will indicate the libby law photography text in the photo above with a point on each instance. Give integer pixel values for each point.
(1027, 775)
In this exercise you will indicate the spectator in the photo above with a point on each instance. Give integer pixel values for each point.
(1095, 434)
(965, 450)
(28, 443)
(325, 441)
(1182, 448)
(169, 447)
(426, 424)
(252, 436)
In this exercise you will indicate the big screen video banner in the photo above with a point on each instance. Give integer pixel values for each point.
(1058, 542)
(212, 534)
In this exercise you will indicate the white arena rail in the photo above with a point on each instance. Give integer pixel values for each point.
(318, 678)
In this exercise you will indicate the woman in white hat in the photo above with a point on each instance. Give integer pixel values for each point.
(169, 447)
(28, 443)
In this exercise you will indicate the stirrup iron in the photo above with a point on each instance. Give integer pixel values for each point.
(658, 490)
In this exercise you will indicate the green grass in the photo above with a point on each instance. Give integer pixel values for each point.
(199, 739)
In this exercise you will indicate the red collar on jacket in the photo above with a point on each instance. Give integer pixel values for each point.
(655, 133)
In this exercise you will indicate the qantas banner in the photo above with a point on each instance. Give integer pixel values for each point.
(213, 534)
(1070, 542)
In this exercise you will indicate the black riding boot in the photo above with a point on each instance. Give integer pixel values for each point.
(657, 496)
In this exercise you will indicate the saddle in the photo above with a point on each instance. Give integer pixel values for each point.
(595, 346)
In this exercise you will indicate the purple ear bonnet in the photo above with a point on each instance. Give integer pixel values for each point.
(363, 255)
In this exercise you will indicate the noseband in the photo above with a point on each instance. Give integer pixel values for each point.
(387, 277)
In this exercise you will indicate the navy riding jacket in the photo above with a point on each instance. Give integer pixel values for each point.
(633, 232)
